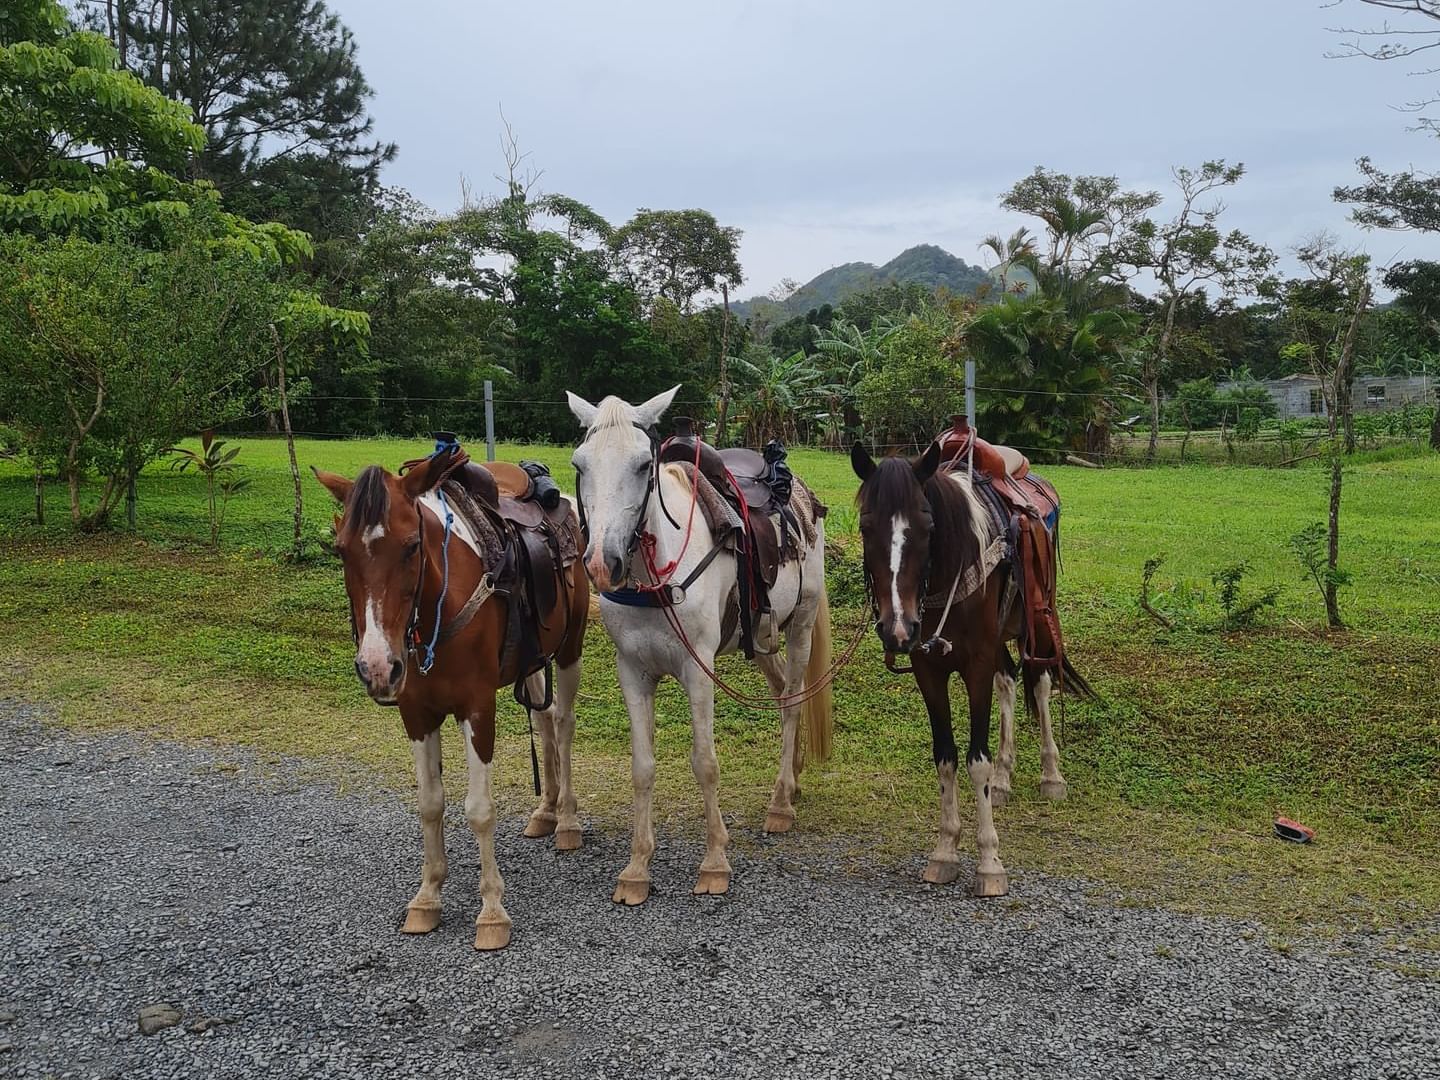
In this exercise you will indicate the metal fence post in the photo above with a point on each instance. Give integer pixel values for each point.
(970, 414)
(489, 420)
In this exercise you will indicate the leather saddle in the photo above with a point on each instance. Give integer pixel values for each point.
(758, 486)
(1026, 510)
(538, 543)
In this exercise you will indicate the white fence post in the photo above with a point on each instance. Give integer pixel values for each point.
(489, 420)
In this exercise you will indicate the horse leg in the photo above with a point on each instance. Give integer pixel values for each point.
(1005, 759)
(567, 686)
(714, 876)
(1052, 783)
(934, 683)
(990, 879)
(542, 721)
(422, 914)
(638, 688)
(780, 815)
(492, 925)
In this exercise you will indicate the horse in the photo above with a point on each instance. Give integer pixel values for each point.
(623, 489)
(920, 530)
(427, 588)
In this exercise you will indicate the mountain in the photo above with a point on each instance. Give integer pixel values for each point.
(926, 264)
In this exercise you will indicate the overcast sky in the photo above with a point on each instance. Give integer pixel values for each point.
(843, 130)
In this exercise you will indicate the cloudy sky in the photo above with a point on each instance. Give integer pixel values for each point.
(842, 130)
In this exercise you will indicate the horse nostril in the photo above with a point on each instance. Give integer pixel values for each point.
(360, 671)
(617, 571)
(396, 670)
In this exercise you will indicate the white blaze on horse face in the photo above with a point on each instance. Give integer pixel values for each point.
(898, 527)
(370, 535)
(374, 652)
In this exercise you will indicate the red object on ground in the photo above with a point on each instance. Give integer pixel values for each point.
(1293, 831)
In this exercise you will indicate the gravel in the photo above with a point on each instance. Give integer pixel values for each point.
(262, 907)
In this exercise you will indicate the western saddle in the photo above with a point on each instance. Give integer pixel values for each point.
(531, 537)
(1026, 511)
(764, 527)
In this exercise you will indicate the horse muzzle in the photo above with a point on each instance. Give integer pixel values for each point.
(383, 680)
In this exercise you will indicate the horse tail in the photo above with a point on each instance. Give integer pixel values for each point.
(818, 711)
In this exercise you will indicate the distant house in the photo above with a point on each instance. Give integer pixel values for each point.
(1299, 396)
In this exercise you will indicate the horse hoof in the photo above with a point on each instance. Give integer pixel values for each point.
(999, 796)
(940, 873)
(420, 920)
(713, 883)
(991, 883)
(778, 823)
(631, 893)
(539, 825)
(1054, 790)
(490, 936)
(567, 839)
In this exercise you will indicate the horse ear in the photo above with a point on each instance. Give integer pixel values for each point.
(926, 464)
(335, 484)
(583, 410)
(648, 413)
(427, 473)
(861, 461)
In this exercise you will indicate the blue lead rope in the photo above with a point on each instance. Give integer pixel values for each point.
(428, 660)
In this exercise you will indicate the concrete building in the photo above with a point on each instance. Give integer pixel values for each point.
(1300, 396)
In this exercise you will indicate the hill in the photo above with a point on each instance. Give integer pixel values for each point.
(926, 264)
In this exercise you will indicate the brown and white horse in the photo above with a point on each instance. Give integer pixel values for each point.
(924, 531)
(405, 587)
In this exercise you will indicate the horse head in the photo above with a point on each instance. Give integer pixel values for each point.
(614, 479)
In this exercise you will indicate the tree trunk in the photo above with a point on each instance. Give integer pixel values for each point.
(1332, 551)
(289, 439)
(723, 412)
(1157, 368)
(1341, 392)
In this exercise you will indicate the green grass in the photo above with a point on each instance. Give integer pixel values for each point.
(1202, 737)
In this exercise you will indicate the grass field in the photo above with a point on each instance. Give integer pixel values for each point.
(1202, 736)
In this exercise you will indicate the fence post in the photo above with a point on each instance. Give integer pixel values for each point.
(970, 414)
(130, 504)
(489, 420)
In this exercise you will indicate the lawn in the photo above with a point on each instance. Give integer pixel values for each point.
(1201, 738)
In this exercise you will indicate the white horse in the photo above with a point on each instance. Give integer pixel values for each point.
(621, 486)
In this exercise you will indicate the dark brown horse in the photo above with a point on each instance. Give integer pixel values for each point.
(936, 569)
(427, 590)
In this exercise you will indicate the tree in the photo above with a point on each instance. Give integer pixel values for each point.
(268, 80)
(1324, 312)
(1019, 245)
(677, 254)
(1082, 215)
(1185, 254)
(1400, 42)
(110, 353)
(91, 150)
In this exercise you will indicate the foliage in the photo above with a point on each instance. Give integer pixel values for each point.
(1239, 610)
(777, 396)
(219, 468)
(1083, 216)
(910, 394)
(677, 254)
(1050, 360)
(93, 151)
(263, 80)
(1309, 547)
(109, 353)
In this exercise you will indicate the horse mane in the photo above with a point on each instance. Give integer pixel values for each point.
(962, 529)
(369, 501)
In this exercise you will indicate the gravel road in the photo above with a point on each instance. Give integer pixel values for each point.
(264, 907)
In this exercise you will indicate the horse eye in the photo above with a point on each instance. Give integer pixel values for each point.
(411, 548)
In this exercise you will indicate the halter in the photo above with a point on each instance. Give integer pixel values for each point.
(640, 535)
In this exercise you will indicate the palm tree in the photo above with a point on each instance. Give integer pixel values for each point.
(1006, 252)
(776, 393)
